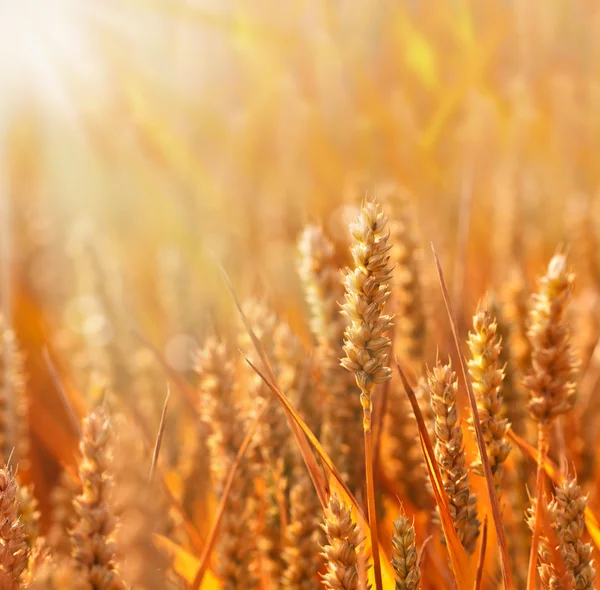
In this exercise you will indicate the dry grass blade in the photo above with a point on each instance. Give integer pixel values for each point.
(60, 388)
(191, 531)
(260, 349)
(184, 563)
(489, 480)
(481, 559)
(188, 393)
(159, 436)
(299, 427)
(458, 555)
(212, 537)
(424, 546)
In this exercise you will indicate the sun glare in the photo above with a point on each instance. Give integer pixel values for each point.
(42, 46)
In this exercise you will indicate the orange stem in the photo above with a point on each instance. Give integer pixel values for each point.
(371, 505)
(535, 541)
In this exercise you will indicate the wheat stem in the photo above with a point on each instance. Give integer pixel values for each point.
(537, 516)
(371, 509)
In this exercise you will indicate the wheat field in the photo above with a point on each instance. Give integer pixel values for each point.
(299, 295)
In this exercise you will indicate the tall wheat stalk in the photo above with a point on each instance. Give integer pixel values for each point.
(550, 381)
(365, 345)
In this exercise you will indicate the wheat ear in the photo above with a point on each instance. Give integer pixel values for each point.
(567, 512)
(92, 536)
(219, 411)
(14, 549)
(450, 454)
(404, 561)
(487, 374)
(342, 550)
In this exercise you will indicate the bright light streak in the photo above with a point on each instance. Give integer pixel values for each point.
(42, 42)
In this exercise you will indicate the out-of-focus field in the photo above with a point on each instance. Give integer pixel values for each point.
(146, 144)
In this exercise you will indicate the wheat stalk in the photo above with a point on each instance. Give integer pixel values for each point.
(365, 344)
(550, 380)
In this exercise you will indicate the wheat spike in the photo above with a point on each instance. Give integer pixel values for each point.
(549, 576)
(302, 536)
(14, 403)
(567, 518)
(367, 291)
(404, 561)
(551, 379)
(92, 536)
(219, 411)
(14, 549)
(342, 550)
(450, 454)
(487, 374)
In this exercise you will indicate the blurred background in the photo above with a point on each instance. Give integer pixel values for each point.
(142, 142)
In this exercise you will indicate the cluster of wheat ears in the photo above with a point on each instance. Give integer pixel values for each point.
(346, 462)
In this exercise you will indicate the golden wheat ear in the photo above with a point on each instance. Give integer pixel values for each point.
(405, 557)
(567, 517)
(450, 454)
(14, 549)
(92, 537)
(342, 550)
(301, 543)
(487, 374)
(219, 411)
